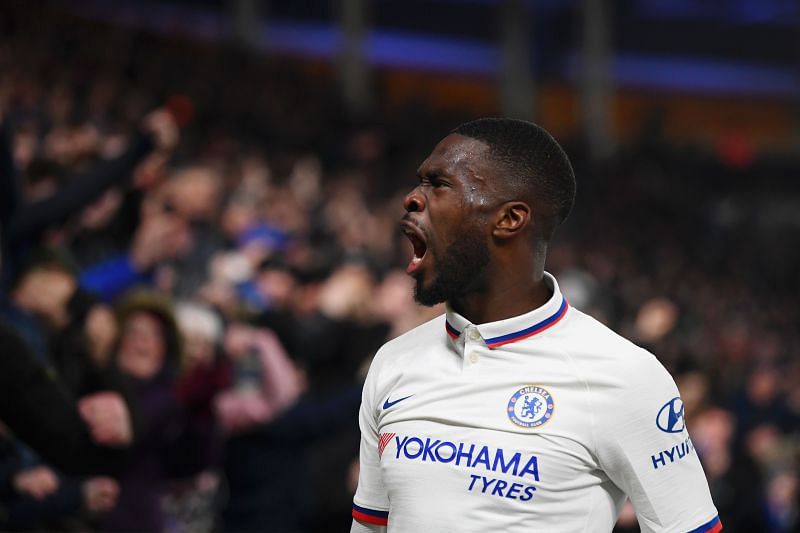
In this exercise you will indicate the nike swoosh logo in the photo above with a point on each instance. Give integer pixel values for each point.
(387, 404)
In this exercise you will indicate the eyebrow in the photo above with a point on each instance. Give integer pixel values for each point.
(434, 172)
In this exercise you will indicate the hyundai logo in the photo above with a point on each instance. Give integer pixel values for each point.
(670, 417)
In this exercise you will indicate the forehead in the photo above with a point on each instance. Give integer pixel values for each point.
(460, 156)
(142, 319)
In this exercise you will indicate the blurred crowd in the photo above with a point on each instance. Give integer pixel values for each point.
(206, 233)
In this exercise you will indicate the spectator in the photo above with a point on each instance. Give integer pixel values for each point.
(24, 223)
(77, 438)
(264, 479)
(149, 356)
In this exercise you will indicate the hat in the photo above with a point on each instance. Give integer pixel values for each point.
(47, 257)
(158, 305)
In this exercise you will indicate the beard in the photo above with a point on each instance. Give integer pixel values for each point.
(457, 271)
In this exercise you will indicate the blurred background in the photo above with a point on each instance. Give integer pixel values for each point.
(199, 204)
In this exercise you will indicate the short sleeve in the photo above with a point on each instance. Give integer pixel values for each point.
(643, 446)
(370, 503)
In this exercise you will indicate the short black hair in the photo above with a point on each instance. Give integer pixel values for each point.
(534, 162)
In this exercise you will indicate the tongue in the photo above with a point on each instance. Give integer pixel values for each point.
(413, 264)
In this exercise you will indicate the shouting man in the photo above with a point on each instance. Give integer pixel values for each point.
(514, 412)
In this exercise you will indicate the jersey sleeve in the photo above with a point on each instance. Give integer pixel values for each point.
(643, 446)
(371, 502)
(362, 527)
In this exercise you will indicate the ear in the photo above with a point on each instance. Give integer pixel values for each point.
(511, 219)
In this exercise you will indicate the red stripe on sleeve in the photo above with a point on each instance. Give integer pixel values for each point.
(362, 517)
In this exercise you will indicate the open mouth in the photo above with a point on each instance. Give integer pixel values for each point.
(419, 243)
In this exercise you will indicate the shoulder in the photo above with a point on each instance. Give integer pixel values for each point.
(409, 345)
(414, 345)
(630, 394)
(401, 353)
(598, 343)
(609, 361)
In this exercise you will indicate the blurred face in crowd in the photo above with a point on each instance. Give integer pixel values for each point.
(239, 339)
(763, 386)
(447, 220)
(142, 348)
(101, 331)
(277, 285)
(194, 193)
(713, 430)
(393, 297)
(200, 329)
(199, 349)
(347, 293)
(45, 291)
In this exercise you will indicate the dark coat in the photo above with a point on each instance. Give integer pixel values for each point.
(41, 413)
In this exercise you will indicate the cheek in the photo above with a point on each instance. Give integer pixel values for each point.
(462, 224)
(446, 220)
(141, 357)
(153, 345)
(128, 346)
(131, 363)
(143, 365)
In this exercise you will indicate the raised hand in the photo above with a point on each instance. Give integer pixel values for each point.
(38, 482)
(108, 418)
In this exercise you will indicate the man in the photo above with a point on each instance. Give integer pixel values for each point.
(513, 411)
(86, 438)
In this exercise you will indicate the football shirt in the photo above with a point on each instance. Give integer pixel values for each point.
(541, 422)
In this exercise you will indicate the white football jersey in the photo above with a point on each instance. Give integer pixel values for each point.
(540, 422)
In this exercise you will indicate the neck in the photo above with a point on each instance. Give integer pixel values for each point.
(511, 292)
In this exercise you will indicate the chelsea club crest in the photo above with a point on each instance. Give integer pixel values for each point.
(530, 407)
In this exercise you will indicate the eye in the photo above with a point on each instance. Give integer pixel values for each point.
(438, 182)
(433, 180)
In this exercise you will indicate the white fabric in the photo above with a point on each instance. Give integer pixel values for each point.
(454, 459)
(361, 527)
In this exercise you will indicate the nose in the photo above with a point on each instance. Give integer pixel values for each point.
(414, 201)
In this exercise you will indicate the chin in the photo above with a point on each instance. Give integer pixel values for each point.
(423, 300)
(429, 295)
